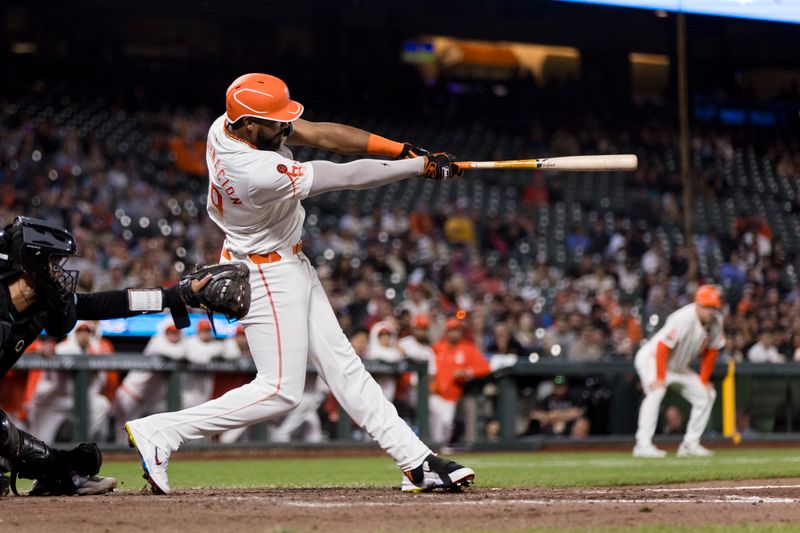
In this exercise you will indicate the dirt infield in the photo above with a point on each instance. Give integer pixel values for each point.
(340, 510)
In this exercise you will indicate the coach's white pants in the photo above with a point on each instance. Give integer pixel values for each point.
(291, 322)
(441, 415)
(689, 385)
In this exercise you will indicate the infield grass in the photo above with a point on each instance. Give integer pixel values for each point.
(508, 470)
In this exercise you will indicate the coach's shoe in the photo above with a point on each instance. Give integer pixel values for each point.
(648, 451)
(437, 473)
(693, 450)
(154, 459)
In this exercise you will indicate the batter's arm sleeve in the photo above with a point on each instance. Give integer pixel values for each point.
(662, 355)
(707, 364)
(342, 139)
(362, 174)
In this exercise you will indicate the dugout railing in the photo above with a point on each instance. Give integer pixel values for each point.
(768, 391)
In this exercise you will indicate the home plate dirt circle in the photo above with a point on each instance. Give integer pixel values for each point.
(369, 509)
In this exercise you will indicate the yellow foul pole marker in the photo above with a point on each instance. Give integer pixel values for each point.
(729, 404)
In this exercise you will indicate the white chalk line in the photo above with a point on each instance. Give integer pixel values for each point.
(732, 488)
(622, 463)
(733, 499)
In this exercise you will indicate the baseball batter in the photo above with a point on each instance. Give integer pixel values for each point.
(255, 194)
(695, 329)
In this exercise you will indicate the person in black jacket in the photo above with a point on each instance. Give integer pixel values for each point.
(37, 293)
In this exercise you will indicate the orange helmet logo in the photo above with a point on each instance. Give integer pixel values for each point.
(261, 96)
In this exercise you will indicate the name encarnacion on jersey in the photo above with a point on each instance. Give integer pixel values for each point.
(220, 182)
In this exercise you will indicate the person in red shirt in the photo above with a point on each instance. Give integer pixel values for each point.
(456, 361)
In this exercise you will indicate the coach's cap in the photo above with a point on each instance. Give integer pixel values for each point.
(261, 96)
(204, 325)
(172, 329)
(453, 323)
(708, 296)
(421, 321)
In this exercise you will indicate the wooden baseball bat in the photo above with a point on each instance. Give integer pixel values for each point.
(575, 163)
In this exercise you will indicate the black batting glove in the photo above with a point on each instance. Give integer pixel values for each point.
(410, 151)
(440, 166)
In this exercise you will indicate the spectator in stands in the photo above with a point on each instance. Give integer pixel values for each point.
(416, 346)
(560, 338)
(765, 351)
(673, 421)
(459, 227)
(503, 342)
(577, 240)
(383, 347)
(625, 320)
(524, 332)
(53, 400)
(457, 361)
(561, 413)
(589, 346)
(143, 392)
(360, 342)
(197, 387)
(236, 346)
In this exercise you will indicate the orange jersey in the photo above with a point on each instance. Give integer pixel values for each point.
(463, 356)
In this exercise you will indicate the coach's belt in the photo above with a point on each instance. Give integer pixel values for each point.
(263, 259)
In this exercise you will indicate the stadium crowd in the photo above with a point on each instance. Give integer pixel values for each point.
(135, 202)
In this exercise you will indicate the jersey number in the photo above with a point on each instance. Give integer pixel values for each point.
(215, 196)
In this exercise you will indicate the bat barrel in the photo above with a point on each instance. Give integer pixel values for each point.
(576, 163)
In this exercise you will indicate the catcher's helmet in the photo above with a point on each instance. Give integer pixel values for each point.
(39, 249)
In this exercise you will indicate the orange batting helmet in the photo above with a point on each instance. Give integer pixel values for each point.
(261, 96)
(708, 296)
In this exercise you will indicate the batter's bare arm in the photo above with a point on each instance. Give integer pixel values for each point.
(348, 140)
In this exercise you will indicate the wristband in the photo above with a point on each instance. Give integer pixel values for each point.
(145, 300)
(377, 145)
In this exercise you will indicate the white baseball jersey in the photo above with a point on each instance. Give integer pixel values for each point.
(686, 337)
(254, 195)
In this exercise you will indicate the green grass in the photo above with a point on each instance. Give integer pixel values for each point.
(534, 469)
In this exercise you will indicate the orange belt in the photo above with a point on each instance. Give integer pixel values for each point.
(262, 259)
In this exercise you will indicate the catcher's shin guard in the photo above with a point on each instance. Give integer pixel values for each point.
(31, 458)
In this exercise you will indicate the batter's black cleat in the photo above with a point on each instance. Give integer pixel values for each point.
(437, 473)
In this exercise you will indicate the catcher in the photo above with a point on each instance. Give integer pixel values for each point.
(37, 293)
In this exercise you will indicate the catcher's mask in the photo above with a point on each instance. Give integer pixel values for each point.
(40, 249)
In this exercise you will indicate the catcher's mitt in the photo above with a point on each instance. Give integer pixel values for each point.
(227, 292)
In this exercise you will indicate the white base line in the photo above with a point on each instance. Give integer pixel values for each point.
(749, 500)
(700, 489)
(748, 487)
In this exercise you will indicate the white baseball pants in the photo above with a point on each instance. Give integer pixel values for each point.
(290, 323)
(689, 384)
(441, 415)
